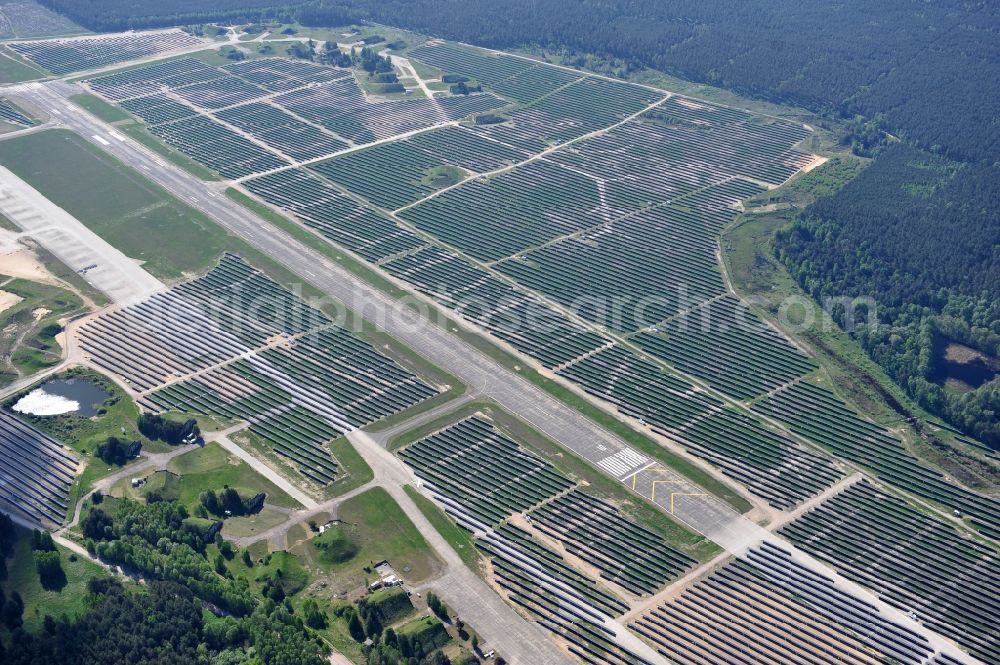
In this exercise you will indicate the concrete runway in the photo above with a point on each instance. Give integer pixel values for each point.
(104, 267)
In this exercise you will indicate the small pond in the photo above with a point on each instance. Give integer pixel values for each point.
(79, 397)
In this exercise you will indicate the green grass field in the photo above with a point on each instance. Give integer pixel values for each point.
(212, 467)
(274, 565)
(377, 526)
(100, 108)
(23, 578)
(119, 204)
(240, 527)
(13, 70)
(355, 472)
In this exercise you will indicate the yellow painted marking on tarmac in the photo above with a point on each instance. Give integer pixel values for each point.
(634, 477)
(652, 495)
(673, 494)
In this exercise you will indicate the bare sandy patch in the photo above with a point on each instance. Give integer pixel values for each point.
(25, 265)
(62, 339)
(16, 260)
(8, 300)
(816, 161)
(691, 104)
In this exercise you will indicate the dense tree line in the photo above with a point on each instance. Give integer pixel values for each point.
(159, 625)
(48, 562)
(11, 605)
(11, 611)
(157, 427)
(229, 503)
(162, 622)
(919, 234)
(8, 537)
(114, 451)
(365, 622)
(159, 541)
(116, 15)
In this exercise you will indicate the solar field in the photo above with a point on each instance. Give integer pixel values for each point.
(578, 227)
(521, 508)
(35, 471)
(769, 609)
(915, 562)
(626, 553)
(260, 116)
(581, 232)
(11, 114)
(816, 413)
(335, 215)
(237, 345)
(63, 56)
(364, 172)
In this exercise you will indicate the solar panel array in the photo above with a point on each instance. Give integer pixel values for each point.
(633, 212)
(10, 113)
(343, 108)
(624, 552)
(236, 344)
(36, 471)
(770, 609)
(486, 480)
(364, 172)
(916, 563)
(603, 190)
(619, 225)
(62, 56)
(485, 471)
(262, 115)
(816, 413)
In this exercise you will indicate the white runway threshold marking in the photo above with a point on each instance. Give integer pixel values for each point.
(100, 139)
(116, 135)
(623, 462)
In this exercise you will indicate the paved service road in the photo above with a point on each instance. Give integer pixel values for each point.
(687, 501)
(385, 436)
(222, 438)
(104, 267)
